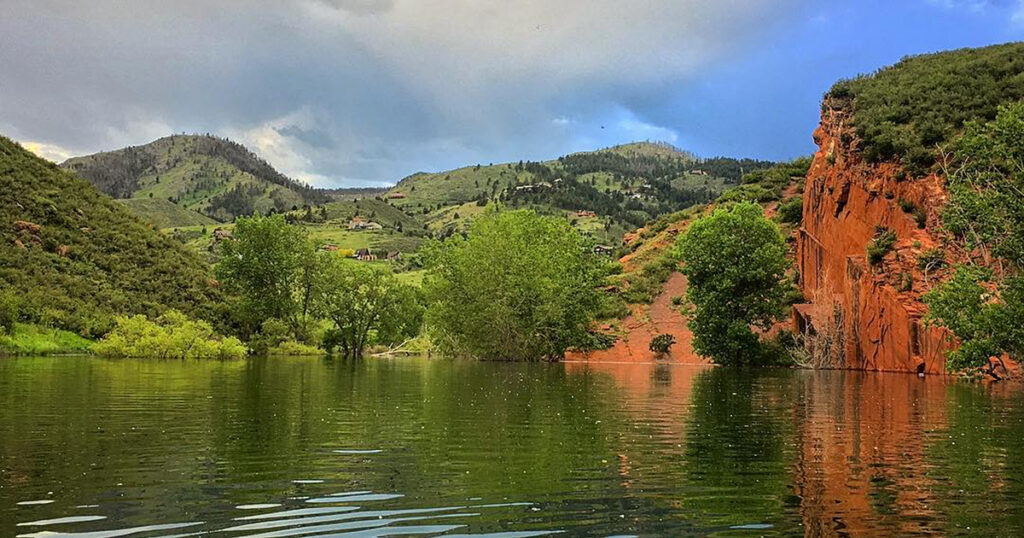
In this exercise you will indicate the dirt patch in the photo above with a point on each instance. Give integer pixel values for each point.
(646, 322)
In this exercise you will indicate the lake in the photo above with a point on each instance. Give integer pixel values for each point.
(317, 447)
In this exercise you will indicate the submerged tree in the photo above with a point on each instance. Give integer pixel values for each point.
(518, 287)
(735, 261)
(267, 263)
(366, 305)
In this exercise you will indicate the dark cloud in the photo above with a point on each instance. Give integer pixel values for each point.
(361, 91)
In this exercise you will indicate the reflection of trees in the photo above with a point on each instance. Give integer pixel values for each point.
(737, 446)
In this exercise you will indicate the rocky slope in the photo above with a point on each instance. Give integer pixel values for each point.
(874, 307)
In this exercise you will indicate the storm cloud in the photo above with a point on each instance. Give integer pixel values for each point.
(357, 92)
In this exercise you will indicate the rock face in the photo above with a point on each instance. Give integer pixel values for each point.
(876, 307)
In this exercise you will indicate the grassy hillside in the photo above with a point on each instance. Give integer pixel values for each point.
(75, 257)
(216, 177)
(905, 111)
(164, 213)
(624, 186)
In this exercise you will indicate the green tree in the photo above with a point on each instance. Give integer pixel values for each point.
(735, 260)
(986, 213)
(367, 306)
(518, 287)
(267, 263)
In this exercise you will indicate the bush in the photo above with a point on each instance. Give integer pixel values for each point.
(662, 343)
(10, 306)
(172, 335)
(931, 259)
(880, 246)
(792, 211)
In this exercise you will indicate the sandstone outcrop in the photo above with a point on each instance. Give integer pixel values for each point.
(877, 307)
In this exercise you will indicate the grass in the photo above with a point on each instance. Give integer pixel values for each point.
(162, 213)
(35, 340)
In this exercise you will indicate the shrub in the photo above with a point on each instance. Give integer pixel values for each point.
(662, 343)
(880, 246)
(10, 306)
(792, 211)
(931, 259)
(172, 335)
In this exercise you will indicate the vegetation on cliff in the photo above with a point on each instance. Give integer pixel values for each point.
(907, 111)
(985, 308)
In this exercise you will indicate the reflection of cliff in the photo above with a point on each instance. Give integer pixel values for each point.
(861, 462)
(845, 203)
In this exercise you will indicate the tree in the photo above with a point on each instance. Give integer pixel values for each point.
(735, 260)
(367, 305)
(985, 213)
(518, 287)
(266, 263)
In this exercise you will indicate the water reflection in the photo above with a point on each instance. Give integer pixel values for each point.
(304, 447)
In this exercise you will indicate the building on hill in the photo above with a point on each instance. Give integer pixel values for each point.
(585, 213)
(396, 195)
(603, 250)
(365, 255)
(393, 255)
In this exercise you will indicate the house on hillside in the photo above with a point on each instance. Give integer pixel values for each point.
(365, 255)
(585, 213)
(603, 250)
(329, 247)
(396, 195)
(359, 223)
(393, 255)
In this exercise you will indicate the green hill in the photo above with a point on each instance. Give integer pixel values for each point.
(76, 257)
(165, 213)
(213, 176)
(623, 186)
(905, 111)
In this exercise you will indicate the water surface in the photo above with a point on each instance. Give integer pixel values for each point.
(314, 447)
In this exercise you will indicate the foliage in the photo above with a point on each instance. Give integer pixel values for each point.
(10, 309)
(766, 185)
(269, 265)
(986, 184)
(931, 259)
(76, 258)
(792, 211)
(878, 247)
(218, 177)
(518, 287)
(986, 326)
(25, 339)
(662, 343)
(644, 285)
(367, 306)
(171, 336)
(735, 260)
(986, 213)
(905, 111)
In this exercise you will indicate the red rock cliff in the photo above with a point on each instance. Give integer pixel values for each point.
(877, 307)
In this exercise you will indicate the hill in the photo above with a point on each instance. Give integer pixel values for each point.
(606, 192)
(165, 213)
(75, 257)
(905, 111)
(213, 176)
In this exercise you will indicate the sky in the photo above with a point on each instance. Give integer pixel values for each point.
(346, 93)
